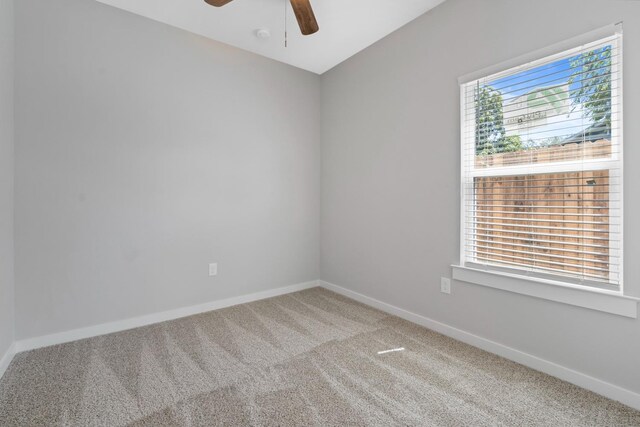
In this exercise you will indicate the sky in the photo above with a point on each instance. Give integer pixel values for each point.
(545, 75)
(568, 122)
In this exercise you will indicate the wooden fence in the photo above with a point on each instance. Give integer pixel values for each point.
(554, 221)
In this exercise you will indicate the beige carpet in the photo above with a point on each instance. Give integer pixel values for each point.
(309, 358)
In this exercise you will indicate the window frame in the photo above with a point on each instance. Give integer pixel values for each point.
(561, 50)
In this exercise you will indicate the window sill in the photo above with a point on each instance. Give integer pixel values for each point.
(593, 299)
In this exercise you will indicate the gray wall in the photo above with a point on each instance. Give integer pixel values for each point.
(142, 154)
(390, 177)
(6, 176)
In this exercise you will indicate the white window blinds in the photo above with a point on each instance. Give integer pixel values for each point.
(542, 167)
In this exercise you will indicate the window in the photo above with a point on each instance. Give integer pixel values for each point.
(542, 168)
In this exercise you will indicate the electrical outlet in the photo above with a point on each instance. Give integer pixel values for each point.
(213, 269)
(445, 285)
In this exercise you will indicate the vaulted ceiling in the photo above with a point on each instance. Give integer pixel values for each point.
(346, 26)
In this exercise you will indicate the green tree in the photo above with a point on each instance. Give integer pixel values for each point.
(510, 144)
(591, 82)
(489, 120)
(491, 136)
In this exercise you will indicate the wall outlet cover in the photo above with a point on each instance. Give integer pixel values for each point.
(445, 285)
(213, 269)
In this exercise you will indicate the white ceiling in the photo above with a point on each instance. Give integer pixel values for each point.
(346, 26)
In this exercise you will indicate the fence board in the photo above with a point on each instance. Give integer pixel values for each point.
(516, 209)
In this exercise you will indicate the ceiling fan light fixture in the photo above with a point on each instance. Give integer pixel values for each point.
(302, 9)
(263, 33)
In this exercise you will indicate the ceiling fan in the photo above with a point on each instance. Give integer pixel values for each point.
(302, 9)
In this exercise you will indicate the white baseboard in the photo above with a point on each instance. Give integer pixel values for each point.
(136, 322)
(603, 388)
(6, 359)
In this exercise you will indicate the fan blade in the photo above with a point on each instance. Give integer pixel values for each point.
(304, 15)
(217, 3)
